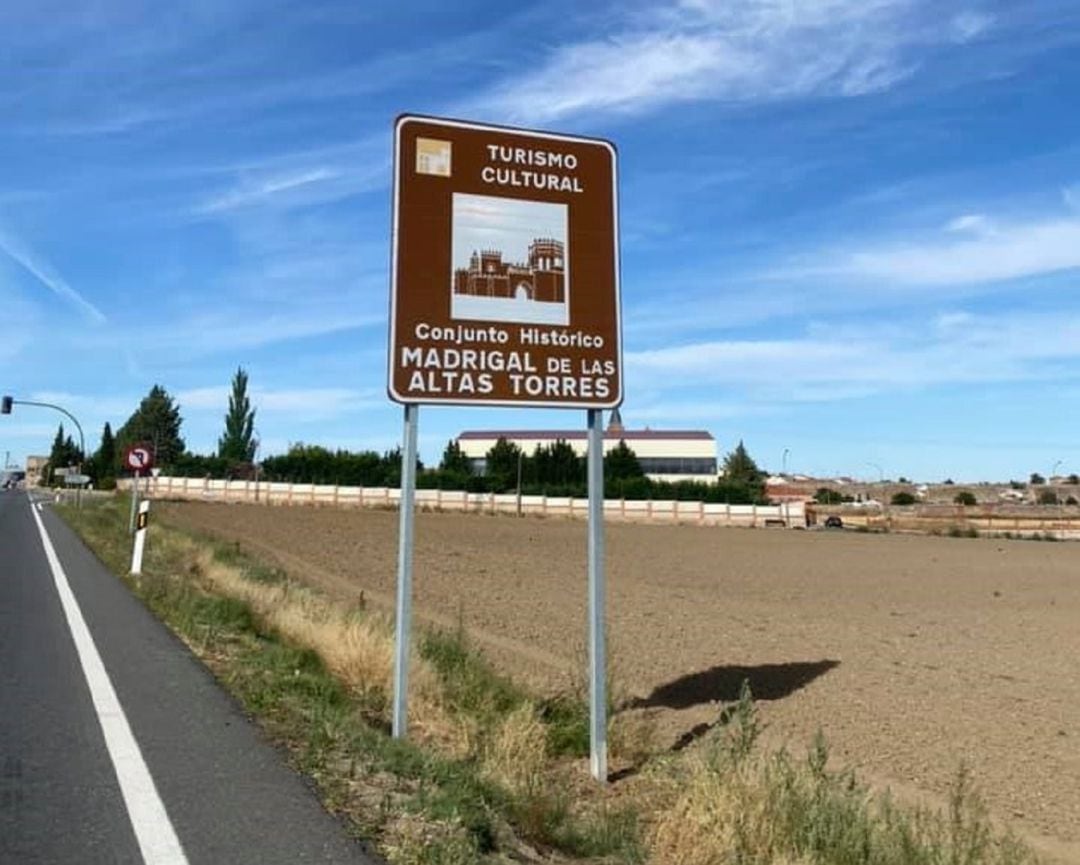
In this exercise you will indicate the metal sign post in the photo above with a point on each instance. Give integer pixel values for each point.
(404, 576)
(134, 501)
(138, 458)
(597, 653)
(140, 537)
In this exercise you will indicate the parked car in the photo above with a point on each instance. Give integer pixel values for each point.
(834, 522)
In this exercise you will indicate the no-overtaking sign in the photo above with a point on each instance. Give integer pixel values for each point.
(505, 267)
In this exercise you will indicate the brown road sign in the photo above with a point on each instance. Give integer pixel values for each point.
(505, 271)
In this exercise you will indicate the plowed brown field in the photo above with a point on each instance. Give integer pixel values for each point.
(910, 653)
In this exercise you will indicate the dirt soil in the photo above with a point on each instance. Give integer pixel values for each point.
(912, 654)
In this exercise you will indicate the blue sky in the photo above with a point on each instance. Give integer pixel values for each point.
(850, 228)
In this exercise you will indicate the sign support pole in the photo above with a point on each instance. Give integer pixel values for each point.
(597, 660)
(134, 501)
(404, 577)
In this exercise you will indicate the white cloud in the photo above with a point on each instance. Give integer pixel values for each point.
(737, 50)
(969, 25)
(316, 176)
(47, 276)
(90, 404)
(1011, 252)
(845, 362)
(1071, 197)
(305, 402)
(235, 330)
(258, 190)
(974, 223)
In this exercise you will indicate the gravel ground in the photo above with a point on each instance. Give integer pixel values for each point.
(911, 653)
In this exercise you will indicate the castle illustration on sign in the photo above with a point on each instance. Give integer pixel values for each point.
(513, 271)
(541, 279)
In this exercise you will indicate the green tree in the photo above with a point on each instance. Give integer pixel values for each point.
(1036, 478)
(454, 459)
(966, 498)
(104, 460)
(502, 464)
(739, 467)
(155, 422)
(64, 453)
(564, 465)
(1073, 479)
(238, 443)
(621, 463)
(903, 498)
(826, 496)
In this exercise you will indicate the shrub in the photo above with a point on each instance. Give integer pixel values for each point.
(903, 498)
(964, 497)
(1048, 497)
(825, 496)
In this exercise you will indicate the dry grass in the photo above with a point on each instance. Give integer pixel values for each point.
(716, 814)
(356, 646)
(515, 755)
(411, 838)
(732, 802)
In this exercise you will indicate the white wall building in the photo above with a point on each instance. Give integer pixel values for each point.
(665, 455)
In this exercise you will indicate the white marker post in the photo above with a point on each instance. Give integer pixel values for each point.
(140, 537)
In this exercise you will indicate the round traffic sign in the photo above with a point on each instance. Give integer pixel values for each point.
(139, 458)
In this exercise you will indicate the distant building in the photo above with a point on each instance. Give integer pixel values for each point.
(34, 467)
(664, 455)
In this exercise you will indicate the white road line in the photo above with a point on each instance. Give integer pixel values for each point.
(153, 829)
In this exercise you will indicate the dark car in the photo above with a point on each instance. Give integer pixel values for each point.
(834, 522)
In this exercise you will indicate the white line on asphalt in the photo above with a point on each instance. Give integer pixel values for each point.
(153, 829)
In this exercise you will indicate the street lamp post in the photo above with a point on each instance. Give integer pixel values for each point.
(9, 401)
(783, 474)
(255, 455)
(884, 492)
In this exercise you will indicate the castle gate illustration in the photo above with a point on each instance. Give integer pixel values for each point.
(509, 260)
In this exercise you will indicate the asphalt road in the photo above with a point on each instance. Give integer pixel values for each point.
(225, 794)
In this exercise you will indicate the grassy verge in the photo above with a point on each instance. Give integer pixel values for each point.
(491, 773)
(483, 777)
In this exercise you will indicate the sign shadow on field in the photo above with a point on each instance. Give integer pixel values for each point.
(723, 684)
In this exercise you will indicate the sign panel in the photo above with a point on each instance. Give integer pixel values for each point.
(505, 271)
(139, 458)
(75, 480)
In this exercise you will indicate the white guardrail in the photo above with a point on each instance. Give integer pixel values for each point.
(791, 515)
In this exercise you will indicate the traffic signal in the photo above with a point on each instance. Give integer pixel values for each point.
(5, 405)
